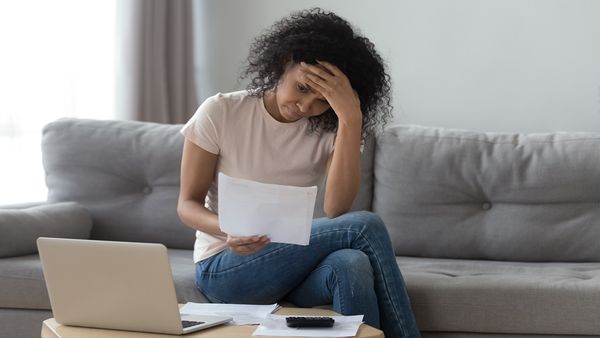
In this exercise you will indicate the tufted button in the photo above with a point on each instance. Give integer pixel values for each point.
(486, 206)
(147, 190)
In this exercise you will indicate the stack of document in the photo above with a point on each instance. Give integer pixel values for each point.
(270, 324)
(275, 325)
(242, 314)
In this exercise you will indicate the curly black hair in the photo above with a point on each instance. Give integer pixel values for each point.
(316, 34)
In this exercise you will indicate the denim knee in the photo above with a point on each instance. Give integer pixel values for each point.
(359, 266)
(352, 267)
(353, 275)
(354, 262)
(364, 216)
(372, 221)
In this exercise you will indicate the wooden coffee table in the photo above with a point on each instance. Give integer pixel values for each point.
(52, 329)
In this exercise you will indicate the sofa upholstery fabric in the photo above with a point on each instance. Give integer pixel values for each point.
(22, 323)
(457, 295)
(20, 227)
(22, 284)
(458, 194)
(126, 173)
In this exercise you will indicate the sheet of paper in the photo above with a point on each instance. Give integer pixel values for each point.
(275, 325)
(242, 314)
(282, 212)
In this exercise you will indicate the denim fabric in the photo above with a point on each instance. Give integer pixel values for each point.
(349, 262)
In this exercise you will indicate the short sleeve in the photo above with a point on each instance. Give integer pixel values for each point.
(203, 128)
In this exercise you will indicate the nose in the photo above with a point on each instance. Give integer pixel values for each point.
(304, 104)
(300, 107)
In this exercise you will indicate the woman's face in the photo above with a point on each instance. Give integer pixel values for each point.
(295, 99)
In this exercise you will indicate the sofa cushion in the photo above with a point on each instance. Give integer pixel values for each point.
(126, 173)
(459, 194)
(184, 277)
(20, 227)
(22, 323)
(503, 297)
(22, 284)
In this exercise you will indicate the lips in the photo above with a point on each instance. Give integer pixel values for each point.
(294, 113)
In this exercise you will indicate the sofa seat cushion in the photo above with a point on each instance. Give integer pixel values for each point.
(455, 295)
(22, 323)
(22, 284)
(184, 276)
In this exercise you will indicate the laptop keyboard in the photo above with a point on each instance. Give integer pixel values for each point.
(188, 323)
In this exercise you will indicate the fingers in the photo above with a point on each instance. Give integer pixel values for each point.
(331, 68)
(316, 83)
(319, 71)
(317, 78)
(245, 245)
(323, 77)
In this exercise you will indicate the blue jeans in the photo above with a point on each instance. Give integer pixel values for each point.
(349, 263)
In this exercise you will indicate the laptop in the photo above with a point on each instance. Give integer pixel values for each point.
(115, 285)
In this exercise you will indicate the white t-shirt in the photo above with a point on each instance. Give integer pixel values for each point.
(252, 145)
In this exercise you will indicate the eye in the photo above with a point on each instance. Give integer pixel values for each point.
(302, 88)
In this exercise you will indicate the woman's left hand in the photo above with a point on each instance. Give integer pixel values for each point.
(334, 85)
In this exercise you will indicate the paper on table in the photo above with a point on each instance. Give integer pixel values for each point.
(282, 212)
(242, 314)
(275, 325)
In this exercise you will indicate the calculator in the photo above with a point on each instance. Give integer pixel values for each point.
(309, 321)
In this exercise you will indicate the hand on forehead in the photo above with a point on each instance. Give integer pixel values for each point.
(315, 67)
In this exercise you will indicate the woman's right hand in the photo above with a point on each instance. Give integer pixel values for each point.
(246, 245)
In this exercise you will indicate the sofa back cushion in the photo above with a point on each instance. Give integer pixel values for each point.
(126, 173)
(460, 194)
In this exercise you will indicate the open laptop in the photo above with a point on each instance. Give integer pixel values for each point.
(115, 285)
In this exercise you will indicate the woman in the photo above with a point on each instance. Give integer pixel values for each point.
(317, 89)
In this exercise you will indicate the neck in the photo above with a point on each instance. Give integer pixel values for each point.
(270, 100)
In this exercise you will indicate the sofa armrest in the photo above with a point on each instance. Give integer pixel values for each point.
(21, 225)
(23, 205)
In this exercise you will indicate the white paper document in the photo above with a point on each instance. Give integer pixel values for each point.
(275, 325)
(284, 213)
(242, 314)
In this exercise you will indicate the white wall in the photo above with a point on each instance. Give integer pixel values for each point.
(488, 65)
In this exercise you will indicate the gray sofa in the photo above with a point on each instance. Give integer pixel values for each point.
(496, 234)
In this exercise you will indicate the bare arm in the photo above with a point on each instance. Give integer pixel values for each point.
(343, 172)
(197, 172)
